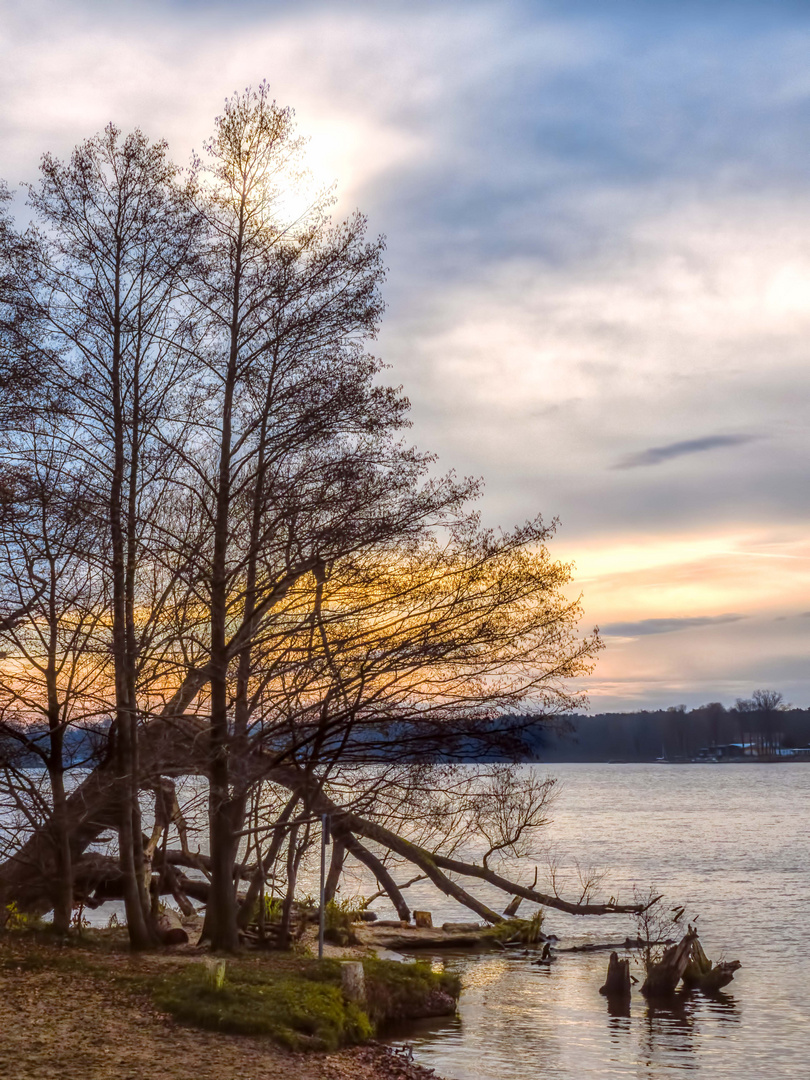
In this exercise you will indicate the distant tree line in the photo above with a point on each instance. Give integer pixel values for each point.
(763, 724)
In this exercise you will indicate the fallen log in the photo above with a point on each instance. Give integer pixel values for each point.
(603, 946)
(170, 930)
(663, 977)
(403, 937)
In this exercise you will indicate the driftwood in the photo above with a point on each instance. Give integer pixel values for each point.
(703, 975)
(545, 957)
(617, 982)
(689, 962)
(663, 977)
(603, 946)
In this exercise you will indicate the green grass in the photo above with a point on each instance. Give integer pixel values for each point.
(299, 1003)
(298, 1012)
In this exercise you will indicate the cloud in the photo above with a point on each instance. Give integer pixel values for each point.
(656, 455)
(599, 240)
(643, 627)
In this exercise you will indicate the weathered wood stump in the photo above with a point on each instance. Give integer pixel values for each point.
(170, 930)
(663, 977)
(617, 982)
(423, 919)
(511, 908)
(353, 980)
(701, 973)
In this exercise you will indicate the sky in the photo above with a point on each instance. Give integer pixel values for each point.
(598, 224)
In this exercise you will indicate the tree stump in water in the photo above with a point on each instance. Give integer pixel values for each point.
(617, 982)
(663, 977)
(708, 977)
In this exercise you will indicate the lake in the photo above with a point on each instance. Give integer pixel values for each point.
(730, 841)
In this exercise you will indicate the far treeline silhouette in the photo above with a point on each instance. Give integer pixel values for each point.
(760, 727)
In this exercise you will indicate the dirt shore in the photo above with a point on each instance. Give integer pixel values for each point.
(84, 1023)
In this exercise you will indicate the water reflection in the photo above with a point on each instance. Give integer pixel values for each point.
(618, 1007)
(723, 1006)
(618, 1018)
(673, 1028)
(668, 1032)
(519, 1021)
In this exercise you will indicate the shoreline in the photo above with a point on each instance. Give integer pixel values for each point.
(81, 1015)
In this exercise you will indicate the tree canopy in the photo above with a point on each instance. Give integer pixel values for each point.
(217, 540)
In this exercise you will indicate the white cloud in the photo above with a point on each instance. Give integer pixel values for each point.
(595, 249)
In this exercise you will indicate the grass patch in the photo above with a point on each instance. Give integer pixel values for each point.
(299, 1003)
(302, 1011)
(525, 931)
(296, 1001)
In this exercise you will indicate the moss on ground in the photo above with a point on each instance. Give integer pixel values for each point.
(299, 1003)
(526, 931)
(301, 1013)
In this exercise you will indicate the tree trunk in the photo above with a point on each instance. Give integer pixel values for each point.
(63, 883)
(335, 870)
(292, 874)
(261, 872)
(380, 872)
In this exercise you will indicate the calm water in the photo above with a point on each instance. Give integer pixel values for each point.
(730, 841)
(733, 842)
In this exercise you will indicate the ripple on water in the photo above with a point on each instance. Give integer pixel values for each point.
(733, 842)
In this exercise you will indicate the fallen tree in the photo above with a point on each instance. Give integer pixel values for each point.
(24, 878)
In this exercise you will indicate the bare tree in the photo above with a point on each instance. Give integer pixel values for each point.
(54, 675)
(294, 595)
(115, 239)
